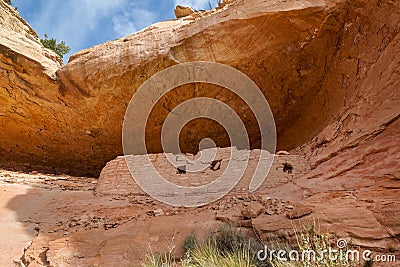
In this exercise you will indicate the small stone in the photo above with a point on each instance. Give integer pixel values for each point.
(233, 220)
(266, 198)
(183, 11)
(84, 217)
(34, 173)
(108, 226)
(282, 153)
(269, 211)
(158, 212)
(252, 210)
(299, 211)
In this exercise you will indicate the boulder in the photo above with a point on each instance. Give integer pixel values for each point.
(183, 11)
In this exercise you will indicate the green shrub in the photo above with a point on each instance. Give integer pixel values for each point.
(230, 240)
(60, 48)
(191, 242)
(227, 246)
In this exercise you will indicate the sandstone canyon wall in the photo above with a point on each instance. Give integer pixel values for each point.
(329, 69)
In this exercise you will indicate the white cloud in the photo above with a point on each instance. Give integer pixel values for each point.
(132, 20)
(73, 20)
(122, 26)
(78, 22)
(95, 9)
(196, 4)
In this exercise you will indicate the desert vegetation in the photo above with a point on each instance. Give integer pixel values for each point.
(59, 47)
(227, 246)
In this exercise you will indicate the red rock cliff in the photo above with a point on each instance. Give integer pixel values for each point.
(329, 70)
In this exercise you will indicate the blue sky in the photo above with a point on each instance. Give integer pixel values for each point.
(85, 23)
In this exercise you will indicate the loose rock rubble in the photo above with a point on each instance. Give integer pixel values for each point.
(85, 222)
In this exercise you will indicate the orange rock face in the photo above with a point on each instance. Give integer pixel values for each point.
(309, 59)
